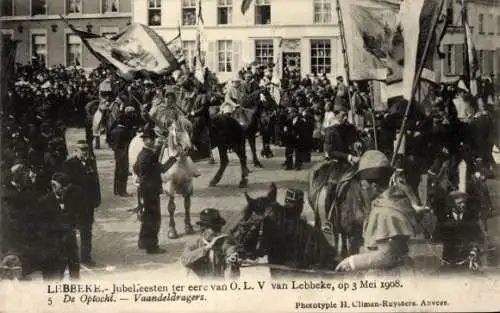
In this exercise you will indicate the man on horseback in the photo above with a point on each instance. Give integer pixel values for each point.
(232, 96)
(341, 143)
(390, 223)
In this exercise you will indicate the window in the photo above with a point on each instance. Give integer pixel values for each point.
(491, 24)
(322, 11)
(110, 6)
(480, 22)
(73, 6)
(224, 12)
(321, 59)
(38, 7)
(7, 8)
(154, 12)
(264, 51)
(189, 51)
(454, 59)
(486, 61)
(225, 55)
(262, 12)
(73, 50)
(188, 12)
(39, 47)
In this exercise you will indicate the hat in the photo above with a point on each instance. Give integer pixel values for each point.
(148, 82)
(294, 196)
(461, 86)
(211, 217)
(105, 86)
(82, 144)
(17, 169)
(459, 195)
(148, 132)
(61, 178)
(339, 78)
(373, 164)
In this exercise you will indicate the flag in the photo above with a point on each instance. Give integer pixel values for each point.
(374, 43)
(472, 69)
(175, 45)
(418, 21)
(200, 46)
(137, 49)
(245, 5)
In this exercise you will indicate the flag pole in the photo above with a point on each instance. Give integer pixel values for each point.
(404, 124)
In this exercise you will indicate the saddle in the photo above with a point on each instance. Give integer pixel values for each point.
(243, 116)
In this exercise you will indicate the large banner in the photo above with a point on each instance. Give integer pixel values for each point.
(374, 43)
(137, 49)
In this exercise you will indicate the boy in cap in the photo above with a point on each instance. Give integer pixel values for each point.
(82, 170)
(232, 96)
(148, 170)
(210, 254)
(59, 210)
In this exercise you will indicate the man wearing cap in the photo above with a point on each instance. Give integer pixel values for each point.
(19, 226)
(148, 170)
(232, 96)
(58, 216)
(391, 221)
(210, 255)
(294, 202)
(82, 170)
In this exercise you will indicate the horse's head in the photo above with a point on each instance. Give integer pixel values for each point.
(249, 232)
(179, 137)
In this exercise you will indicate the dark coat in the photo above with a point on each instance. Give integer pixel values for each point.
(19, 229)
(86, 178)
(339, 140)
(59, 219)
(294, 133)
(120, 136)
(148, 170)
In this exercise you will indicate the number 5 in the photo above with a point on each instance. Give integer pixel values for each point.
(50, 301)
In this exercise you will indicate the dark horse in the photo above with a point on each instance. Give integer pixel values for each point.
(231, 132)
(292, 245)
(255, 114)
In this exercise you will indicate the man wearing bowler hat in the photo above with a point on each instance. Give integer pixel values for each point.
(82, 170)
(148, 170)
(213, 251)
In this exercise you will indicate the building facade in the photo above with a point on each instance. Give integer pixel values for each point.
(484, 19)
(40, 31)
(299, 33)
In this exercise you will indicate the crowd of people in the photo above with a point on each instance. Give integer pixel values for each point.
(308, 114)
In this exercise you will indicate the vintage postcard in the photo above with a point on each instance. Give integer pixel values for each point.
(250, 156)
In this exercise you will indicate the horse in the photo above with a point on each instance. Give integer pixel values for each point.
(255, 114)
(100, 119)
(179, 178)
(290, 243)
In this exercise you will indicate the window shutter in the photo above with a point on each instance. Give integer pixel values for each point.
(210, 61)
(459, 59)
(236, 55)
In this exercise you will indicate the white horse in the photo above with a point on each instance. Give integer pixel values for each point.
(179, 178)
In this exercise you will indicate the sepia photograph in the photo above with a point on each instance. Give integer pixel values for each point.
(249, 155)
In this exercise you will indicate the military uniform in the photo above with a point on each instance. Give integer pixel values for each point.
(148, 170)
(83, 174)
